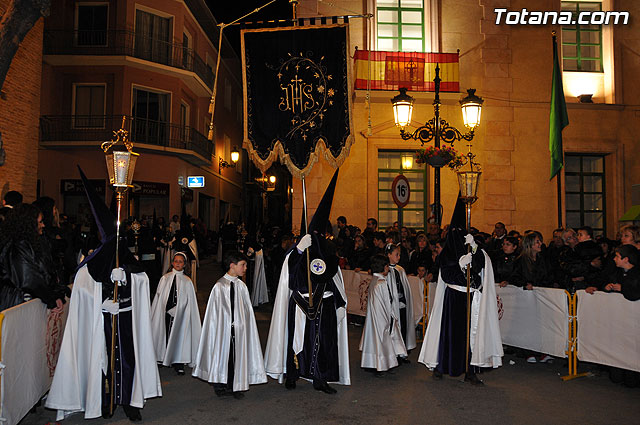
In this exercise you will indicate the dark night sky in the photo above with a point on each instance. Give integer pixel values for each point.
(227, 11)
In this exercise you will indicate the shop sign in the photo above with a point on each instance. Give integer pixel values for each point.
(75, 186)
(150, 189)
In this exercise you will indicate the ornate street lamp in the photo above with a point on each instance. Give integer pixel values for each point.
(120, 165)
(436, 129)
(235, 156)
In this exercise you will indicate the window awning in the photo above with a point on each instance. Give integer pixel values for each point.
(632, 214)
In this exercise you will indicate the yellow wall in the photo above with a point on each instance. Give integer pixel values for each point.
(510, 66)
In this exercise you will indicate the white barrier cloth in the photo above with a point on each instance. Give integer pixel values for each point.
(536, 320)
(27, 359)
(609, 330)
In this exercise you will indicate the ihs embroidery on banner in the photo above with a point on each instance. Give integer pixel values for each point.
(306, 93)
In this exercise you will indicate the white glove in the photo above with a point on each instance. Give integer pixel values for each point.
(468, 240)
(118, 275)
(304, 243)
(465, 260)
(110, 306)
(172, 311)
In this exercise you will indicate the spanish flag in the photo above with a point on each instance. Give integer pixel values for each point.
(413, 70)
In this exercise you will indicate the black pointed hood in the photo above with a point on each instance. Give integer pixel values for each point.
(459, 216)
(102, 260)
(321, 216)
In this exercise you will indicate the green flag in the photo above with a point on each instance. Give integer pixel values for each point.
(558, 118)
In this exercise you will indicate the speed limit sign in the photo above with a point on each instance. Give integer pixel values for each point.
(400, 191)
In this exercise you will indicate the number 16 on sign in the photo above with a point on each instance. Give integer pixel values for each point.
(400, 191)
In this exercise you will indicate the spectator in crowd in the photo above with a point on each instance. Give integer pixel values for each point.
(433, 232)
(630, 235)
(53, 238)
(504, 261)
(342, 224)
(530, 268)
(421, 255)
(379, 242)
(361, 255)
(590, 254)
(499, 233)
(573, 271)
(628, 277)
(26, 268)
(11, 200)
(369, 231)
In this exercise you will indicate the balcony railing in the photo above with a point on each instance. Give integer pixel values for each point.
(127, 43)
(83, 128)
(380, 70)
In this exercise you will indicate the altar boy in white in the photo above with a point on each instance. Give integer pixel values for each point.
(381, 342)
(175, 319)
(229, 353)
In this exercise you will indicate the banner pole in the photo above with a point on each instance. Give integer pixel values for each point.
(306, 230)
(572, 353)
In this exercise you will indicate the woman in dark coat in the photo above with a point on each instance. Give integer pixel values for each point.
(531, 269)
(26, 269)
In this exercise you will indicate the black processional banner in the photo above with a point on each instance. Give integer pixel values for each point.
(297, 96)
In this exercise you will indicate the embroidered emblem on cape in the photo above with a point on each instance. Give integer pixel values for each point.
(318, 266)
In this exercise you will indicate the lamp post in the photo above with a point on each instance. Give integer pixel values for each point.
(120, 165)
(436, 129)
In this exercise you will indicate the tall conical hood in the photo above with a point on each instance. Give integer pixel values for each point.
(102, 260)
(459, 216)
(321, 216)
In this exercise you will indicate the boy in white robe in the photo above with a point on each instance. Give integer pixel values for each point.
(381, 342)
(402, 301)
(229, 353)
(175, 319)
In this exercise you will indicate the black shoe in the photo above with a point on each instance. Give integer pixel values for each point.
(221, 392)
(403, 360)
(133, 413)
(378, 374)
(179, 368)
(437, 375)
(290, 384)
(473, 379)
(323, 386)
(238, 395)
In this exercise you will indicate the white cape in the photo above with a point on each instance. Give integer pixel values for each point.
(213, 350)
(381, 342)
(182, 345)
(259, 294)
(275, 356)
(485, 340)
(77, 383)
(410, 337)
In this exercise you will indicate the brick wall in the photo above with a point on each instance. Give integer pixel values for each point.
(19, 114)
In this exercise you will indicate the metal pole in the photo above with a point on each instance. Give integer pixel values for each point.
(114, 317)
(466, 365)
(436, 135)
(306, 230)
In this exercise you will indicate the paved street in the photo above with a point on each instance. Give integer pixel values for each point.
(520, 393)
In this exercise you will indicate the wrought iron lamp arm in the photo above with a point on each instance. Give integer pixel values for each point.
(426, 133)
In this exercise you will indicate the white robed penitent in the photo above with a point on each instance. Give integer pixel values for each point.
(259, 294)
(77, 383)
(275, 356)
(410, 336)
(215, 340)
(485, 341)
(381, 341)
(182, 344)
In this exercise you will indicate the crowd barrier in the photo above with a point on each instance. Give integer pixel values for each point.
(544, 320)
(609, 330)
(30, 337)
